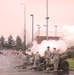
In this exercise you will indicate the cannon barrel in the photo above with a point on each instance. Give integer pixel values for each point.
(63, 57)
(63, 64)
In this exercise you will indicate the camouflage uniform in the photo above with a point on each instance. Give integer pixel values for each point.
(56, 58)
(47, 55)
(36, 59)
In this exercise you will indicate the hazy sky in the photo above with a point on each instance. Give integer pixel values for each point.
(61, 12)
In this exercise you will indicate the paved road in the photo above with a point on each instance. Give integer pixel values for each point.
(31, 72)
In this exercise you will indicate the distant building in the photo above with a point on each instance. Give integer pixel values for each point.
(39, 39)
(71, 48)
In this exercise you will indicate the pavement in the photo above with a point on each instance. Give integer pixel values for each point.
(71, 69)
(33, 72)
(37, 73)
(17, 71)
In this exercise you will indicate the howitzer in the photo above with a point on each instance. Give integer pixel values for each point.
(63, 64)
(63, 57)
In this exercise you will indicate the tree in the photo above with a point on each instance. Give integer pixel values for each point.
(10, 42)
(2, 42)
(18, 43)
(24, 47)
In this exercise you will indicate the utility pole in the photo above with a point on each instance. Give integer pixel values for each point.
(24, 43)
(38, 30)
(45, 30)
(32, 26)
(55, 30)
(47, 18)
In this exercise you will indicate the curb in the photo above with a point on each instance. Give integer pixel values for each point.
(71, 69)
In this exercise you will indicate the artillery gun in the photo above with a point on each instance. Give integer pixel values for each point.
(63, 64)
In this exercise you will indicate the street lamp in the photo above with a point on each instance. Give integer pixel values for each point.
(45, 30)
(55, 30)
(47, 18)
(32, 26)
(38, 30)
(24, 46)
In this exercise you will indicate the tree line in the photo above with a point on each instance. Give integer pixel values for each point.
(11, 43)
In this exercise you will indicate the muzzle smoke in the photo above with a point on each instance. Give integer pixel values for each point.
(65, 42)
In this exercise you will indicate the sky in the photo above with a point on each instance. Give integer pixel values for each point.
(13, 17)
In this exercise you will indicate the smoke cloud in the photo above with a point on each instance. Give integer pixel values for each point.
(9, 60)
(68, 35)
(66, 41)
(59, 45)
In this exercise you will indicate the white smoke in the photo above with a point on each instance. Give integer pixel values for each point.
(65, 42)
(68, 35)
(9, 59)
(35, 47)
(58, 44)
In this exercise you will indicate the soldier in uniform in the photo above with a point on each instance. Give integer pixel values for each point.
(36, 59)
(47, 55)
(55, 58)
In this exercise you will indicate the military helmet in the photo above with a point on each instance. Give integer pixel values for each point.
(54, 48)
(48, 47)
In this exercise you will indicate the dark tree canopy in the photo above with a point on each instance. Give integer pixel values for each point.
(2, 42)
(10, 42)
(18, 43)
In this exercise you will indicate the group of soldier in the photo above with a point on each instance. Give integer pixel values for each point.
(47, 56)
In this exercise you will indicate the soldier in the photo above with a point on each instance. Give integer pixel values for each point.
(47, 55)
(56, 59)
(36, 59)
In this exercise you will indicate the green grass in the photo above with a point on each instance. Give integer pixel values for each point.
(71, 62)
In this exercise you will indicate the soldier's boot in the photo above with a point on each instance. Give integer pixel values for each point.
(55, 69)
(48, 69)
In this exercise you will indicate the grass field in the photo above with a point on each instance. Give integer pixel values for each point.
(71, 62)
